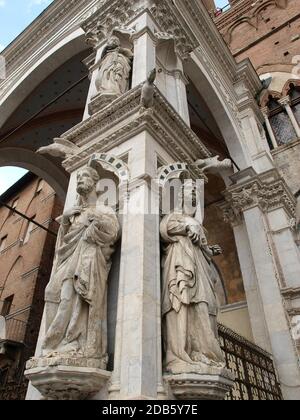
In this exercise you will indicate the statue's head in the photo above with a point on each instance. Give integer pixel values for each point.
(189, 198)
(87, 179)
(113, 42)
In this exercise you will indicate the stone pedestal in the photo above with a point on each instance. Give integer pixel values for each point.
(59, 379)
(190, 386)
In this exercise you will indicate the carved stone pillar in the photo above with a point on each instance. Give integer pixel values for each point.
(286, 103)
(259, 207)
(265, 112)
(144, 42)
(137, 363)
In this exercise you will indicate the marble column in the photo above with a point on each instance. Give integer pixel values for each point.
(259, 208)
(286, 103)
(269, 128)
(137, 366)
(144, 50)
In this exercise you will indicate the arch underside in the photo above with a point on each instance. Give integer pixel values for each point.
(32, 117)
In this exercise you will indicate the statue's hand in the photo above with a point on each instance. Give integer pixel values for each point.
(70, 213)
(193, 234)
(216, 250)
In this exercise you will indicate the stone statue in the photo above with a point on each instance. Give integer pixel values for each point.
(147, 97)
(76, 297)
(213, 165)
(189, 302)
(60, 148)
(115, 68)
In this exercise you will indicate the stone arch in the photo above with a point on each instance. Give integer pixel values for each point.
(41, 166)
(221, 111)
(262, 7)
(111, 164)
(16, 268)
(266, 97)
(286, 88)
(242, 20)
(67, 47)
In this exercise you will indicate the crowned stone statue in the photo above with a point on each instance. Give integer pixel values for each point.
(189, 302)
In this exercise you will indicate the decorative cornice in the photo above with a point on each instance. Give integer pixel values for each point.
(291, 292)
(213, 385)
(267, 191)
(123, 119)
(171, 22)
(106, 17)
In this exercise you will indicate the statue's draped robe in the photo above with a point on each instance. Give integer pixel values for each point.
(114, 72)
(189, 303)
(84, 257)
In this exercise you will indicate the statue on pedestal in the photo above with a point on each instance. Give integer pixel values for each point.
(76, 297)
(114, 69)
(189, 302)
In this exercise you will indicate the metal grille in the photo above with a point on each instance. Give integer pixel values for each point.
(253, 367)
(14, 391)
(13, 388)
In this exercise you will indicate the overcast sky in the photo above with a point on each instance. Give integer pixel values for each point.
(15, 16)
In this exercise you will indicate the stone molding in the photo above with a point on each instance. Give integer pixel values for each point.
(267, 191)
(175, 25)
(67, 382)
(291, 292)
(213, 386)
(107, 15)
(123, 119)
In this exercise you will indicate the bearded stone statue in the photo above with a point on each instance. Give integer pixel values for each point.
(76, 297)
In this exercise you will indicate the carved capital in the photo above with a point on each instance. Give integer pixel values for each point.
(267, 191)
(184, 39)
(108, 17)
(285, 101)
(265, 112)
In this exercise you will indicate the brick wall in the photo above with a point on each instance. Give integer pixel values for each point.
(25, 268)
(265, 32)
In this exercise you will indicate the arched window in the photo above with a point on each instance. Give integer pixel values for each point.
(294, 94)
(281, 124)
(30, 227)
(40, 186)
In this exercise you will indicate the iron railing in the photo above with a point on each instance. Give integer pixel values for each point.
(14, 391)
(255, 374)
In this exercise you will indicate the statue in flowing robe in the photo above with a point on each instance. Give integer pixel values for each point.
(76, 297)
(189, 302)
(114, 69)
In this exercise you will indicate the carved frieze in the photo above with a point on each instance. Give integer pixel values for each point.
(169, 20)
(259, 191)
(126, 117)
(104, 18)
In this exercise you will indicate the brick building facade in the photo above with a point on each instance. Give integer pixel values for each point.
(268, 33)
(26, 254)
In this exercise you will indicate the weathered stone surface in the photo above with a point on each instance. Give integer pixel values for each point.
(67, 382)
(189, 303)
(213, 385)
